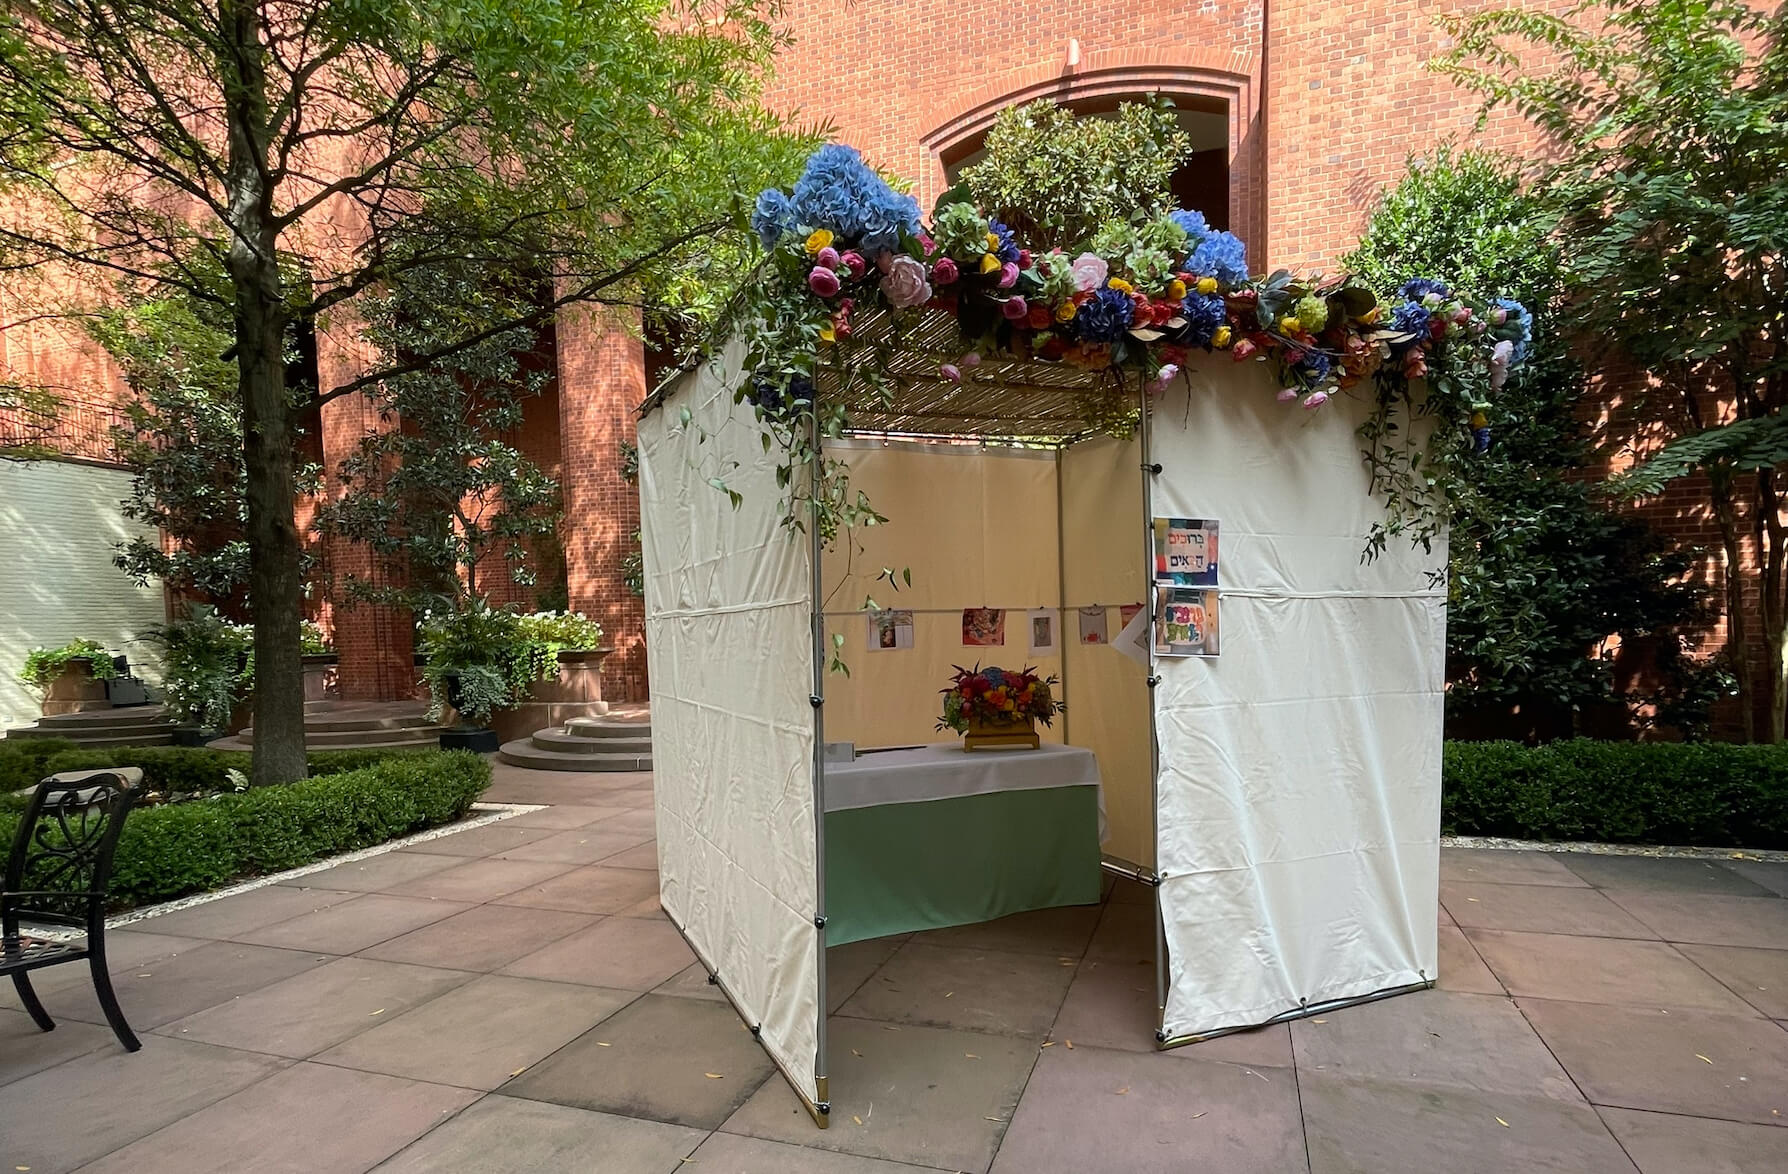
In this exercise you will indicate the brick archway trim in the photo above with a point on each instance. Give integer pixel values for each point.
(1230, 75)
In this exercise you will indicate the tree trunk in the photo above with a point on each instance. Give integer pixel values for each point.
(1737, 630)
(1770, 602)
(274, 590)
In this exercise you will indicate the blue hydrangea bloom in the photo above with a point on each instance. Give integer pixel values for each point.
(995, 677)
(1008, 247)
(1518, 329)
(1316, 366)
(1104, 317)
(1196, 226)
(1410, 318)
(1204, 313)
(1221, 255)
(1417, 288)
(837, 190)
(772, 217)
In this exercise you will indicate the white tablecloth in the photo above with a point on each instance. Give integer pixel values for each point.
(922, 774)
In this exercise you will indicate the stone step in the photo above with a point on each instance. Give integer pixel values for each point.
(129, 717)
(104, 739)
(607, 727)
(569, 743)
(365, 729)
(524, 753)
(426, 739)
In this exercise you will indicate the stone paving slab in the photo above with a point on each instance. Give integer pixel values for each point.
(498, 959)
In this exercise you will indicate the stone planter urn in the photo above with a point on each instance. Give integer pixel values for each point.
(575, 692)
(76, 690)
(320, 682)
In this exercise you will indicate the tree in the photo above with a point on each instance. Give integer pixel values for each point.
(440, 496)
(596, 141)
(1055, 177)
(1669, 123)
(1541, 568)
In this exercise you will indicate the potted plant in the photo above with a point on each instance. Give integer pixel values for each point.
(997, 708)
(208, 670)
(70, 678)
(478, 661)
(320, 661)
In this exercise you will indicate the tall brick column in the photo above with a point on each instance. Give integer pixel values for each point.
(374, 643)
(602, 379)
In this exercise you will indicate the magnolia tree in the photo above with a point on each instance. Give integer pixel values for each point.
(594, 143)
(1669, 122)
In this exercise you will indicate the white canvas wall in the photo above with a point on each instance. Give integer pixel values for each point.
(1300, 771)
(730, 656)
(59, 527)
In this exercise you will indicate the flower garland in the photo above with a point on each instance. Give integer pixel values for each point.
(995, 695)
(1139, 297)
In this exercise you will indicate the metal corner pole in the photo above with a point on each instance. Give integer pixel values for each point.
(816, 550)
(1148, 553)
(1061, 588)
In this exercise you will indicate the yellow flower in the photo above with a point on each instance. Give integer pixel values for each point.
(1289, 325)
(819, 239)
(1372, 315)
(827, 334)
(1207, 285)
(1176, 290)
(1121, 285)
(1065, 312)
(1221, 337)
(989, 263)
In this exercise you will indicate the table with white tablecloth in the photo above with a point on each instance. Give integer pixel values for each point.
(927, 837)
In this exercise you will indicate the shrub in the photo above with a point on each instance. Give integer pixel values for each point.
(194, 768)
(182, 848)
(208, 667)
(1618, 792)
(44, 665)
(22, 760)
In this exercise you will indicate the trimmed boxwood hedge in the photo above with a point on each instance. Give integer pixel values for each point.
(22, 760)
(194, 768)
(179, 848)
(1618, 792)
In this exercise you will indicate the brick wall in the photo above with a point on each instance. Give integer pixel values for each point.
(602, 379)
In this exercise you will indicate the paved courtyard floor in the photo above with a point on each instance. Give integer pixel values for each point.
(510, 998)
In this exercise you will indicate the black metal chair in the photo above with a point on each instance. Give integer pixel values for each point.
(56, 875)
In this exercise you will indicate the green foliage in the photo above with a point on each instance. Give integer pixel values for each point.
(22, 760)
(561, 631)
(1055, 178)
(1669, 122)
(185, 770)
(172, 850)
(183, 443)
(486, 658)
(207, 668)
(1618, 792)
(312, 642)
(1541, 570)
(43, 665)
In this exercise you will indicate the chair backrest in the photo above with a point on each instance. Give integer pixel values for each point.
(64, 847)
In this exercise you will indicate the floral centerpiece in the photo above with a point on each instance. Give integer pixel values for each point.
(997, 707)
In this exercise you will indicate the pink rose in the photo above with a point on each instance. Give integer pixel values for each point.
(1014, 308)
(1316, 399)
(927, 244)
(905, 285)
(855, 263)
(1168, 371)
(1462, 315)
(971, 359)
(944, 272)
(949, 371)
(1089, 272)
(823, 281)
(827, 256)
(1008, 275)
(1024, 258)
(1498, 316)
(1244, 349)
(1287, 394)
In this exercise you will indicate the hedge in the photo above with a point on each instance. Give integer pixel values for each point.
(22, 760)
(1618, 792)
(194, 768)
(174, 849)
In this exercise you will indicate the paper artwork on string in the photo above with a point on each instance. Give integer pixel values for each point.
(1133, 641)
(1127, 612)
(983, 627)
(1041, 627)
(1186, 552)
(890, 630)
(1185, 621)
(1092, 626)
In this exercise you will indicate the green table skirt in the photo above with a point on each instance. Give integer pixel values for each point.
(911, 866)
